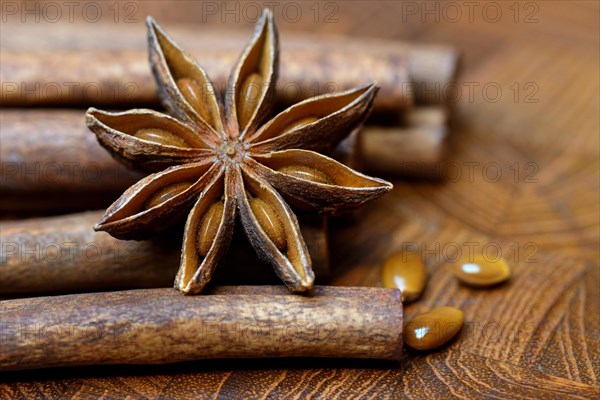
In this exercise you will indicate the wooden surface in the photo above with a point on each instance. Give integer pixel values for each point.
(536, 336)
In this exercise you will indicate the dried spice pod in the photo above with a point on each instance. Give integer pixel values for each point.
(343, 189)
(196, 269)
(306, 173)
(119, 133)
(184, 87)
(232, 158)
(161, 136)
(129, 217)
(302, 125)
(209, 227)
(295, 265)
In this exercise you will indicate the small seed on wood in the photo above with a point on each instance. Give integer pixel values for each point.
(407, 272)
(166, 193)
(209, 227)
(482, 272)
(248, 98)
(269, 222)
(161, 136)
(306, 173)
(434, 328)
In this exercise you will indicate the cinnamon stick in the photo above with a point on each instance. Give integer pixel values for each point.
(310, 66)
(159, 326)
(417, 149)
(49, 159)
(64, 254)
(54, 150)
(123, 78)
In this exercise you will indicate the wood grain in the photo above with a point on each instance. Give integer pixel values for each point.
(557, 297)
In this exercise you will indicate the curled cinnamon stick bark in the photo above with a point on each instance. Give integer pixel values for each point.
(417, 149)
(309, 66)
(49, 160)
(54, 150)
(64, 254)
(159, 326)
(73, 78)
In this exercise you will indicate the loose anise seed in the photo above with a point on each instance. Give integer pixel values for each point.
(209, 227)
(161, 136)
(268, 220)
(299, 124)
(434, 328)
(306, 173)
(482, 271)
(248, 98)
(166, 193)
(192, 93)
(405, 271)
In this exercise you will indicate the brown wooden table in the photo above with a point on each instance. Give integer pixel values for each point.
(523, 179)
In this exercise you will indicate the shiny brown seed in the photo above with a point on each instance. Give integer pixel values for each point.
(480, 271)
(269, 222)
(299, 124)
(434, 328)
(161, 136)
(209, 227)
(166, 193)
(192, 93)
(406, 272)
(248, 98)
(306, 173)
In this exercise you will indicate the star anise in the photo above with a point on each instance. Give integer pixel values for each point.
(220, 159)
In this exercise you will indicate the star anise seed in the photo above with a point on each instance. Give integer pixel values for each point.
(217, 160)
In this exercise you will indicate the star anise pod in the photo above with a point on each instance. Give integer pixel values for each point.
(219, 160)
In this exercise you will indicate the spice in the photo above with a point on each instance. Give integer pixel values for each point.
(310, 65)
(418, 148)
(234, 158)
(52, 150)
(406, 272)
(64, 254)
(158, 326)
(69, 159)
(481, 271)
(434, 328)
